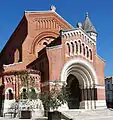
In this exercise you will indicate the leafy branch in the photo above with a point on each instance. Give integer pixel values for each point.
(54, 98)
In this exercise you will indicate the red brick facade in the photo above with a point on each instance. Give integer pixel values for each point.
(39, 45)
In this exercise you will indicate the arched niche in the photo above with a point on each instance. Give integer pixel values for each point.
(40, 37)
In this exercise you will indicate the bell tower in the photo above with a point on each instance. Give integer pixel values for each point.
(89, 28)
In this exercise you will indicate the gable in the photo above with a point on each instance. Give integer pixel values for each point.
(35, 26)
(47, 20)
(42, 26)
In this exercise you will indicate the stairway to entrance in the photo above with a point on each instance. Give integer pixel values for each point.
(97, 114)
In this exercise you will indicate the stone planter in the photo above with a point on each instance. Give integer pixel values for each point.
(55, 115)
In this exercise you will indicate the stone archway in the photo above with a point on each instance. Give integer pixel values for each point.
(85, 75)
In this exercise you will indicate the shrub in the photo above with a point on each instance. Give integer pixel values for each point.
(54, 98)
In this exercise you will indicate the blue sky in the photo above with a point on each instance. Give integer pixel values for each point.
(100, 13)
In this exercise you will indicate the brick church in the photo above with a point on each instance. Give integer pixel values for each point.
(48, 48)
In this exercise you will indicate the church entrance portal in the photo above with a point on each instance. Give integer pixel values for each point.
(80, 78)
(74, 92)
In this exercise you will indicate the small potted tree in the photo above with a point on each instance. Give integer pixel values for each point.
(55, 98)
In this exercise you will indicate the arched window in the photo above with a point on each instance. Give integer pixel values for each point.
(24, 94)
(32, 94)
(68, 46)
(83, 49)
(72, 48)
(10, 94)
(45, 43)
(76, 47)
(90, 54)
(87, 52)
(80, 47)
(39, 45)
(16, 56)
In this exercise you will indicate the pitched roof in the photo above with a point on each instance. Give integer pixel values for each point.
(88, 26)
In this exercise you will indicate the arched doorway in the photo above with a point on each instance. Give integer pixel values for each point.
(74, 92)
(9, 94)
(80, 77)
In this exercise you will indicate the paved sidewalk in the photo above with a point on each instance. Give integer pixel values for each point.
(2, 118)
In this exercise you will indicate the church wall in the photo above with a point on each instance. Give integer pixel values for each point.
(41, 25)
(36, 32)
(96, 62)
(99, 67)
(15, 66)
(14, 82)
(44, 21)
(27, 35)
(101, 94)
(44, 68)
(40, 22)
(15, 42)
(55, 63)
(41, 64)
(80, 39)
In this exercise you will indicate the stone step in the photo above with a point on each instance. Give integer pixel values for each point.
(9, 118)
(94, 118)
(41, 118)
(9, 115)
(89, 114)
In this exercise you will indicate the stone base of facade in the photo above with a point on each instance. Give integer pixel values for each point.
(87, 105)
(100, 104)
(7, 105)
(93, 104)
(82, 114)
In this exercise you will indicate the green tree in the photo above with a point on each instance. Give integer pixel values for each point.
(55, 97)
(32, 94)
